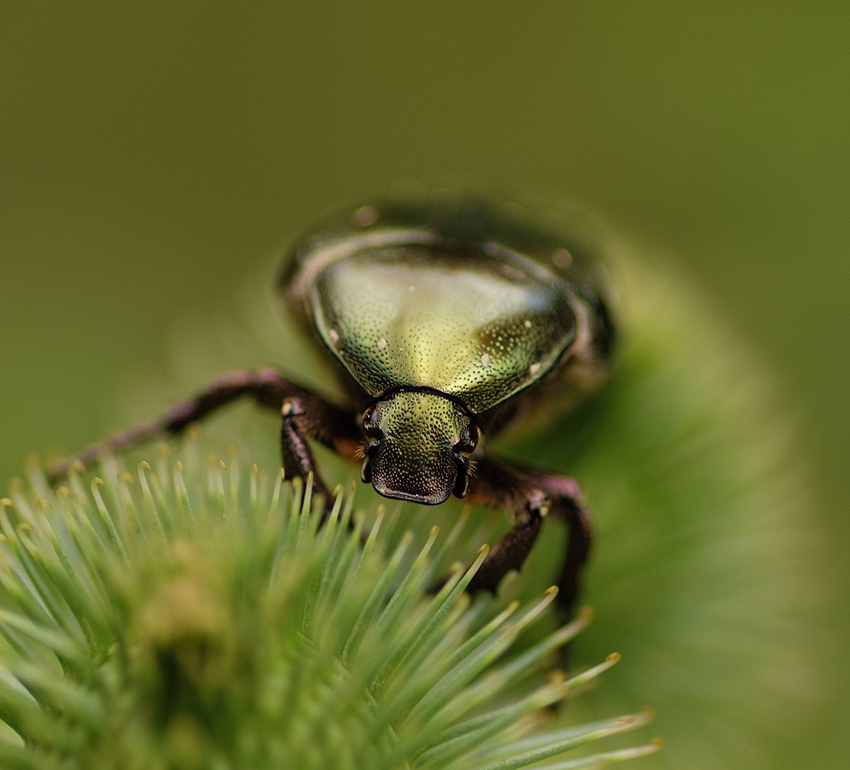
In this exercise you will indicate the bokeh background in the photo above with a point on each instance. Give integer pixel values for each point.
(154, 156)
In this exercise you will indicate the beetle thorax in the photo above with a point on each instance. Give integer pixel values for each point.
(466, 324)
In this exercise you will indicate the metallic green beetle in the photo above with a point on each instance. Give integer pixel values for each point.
(448, 317)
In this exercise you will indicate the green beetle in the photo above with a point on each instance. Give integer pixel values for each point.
(449, 318)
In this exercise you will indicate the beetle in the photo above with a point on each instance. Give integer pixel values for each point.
(448, 318)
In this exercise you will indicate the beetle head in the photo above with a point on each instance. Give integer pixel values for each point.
(418, 445)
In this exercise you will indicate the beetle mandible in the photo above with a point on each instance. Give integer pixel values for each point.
(449, 318)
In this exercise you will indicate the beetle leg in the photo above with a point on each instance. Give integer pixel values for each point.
(332, 425)
(530, 496)
(569, 506)
(309, 416)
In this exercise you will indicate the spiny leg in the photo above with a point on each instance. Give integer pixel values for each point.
(531, 495)
(314, 417)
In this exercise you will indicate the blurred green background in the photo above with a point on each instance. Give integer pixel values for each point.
(154, 156)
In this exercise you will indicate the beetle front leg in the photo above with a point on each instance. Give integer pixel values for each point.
(332, 425)
(568, 505)
(309, 416)
(530, 496)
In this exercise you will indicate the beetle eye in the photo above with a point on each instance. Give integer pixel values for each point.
(468, 441)
(370, 428)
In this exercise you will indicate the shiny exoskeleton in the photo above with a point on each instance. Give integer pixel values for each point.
(448, 318)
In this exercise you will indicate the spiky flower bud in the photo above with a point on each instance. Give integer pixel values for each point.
(194, 615)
